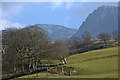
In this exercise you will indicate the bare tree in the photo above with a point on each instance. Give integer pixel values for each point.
(86, 36)
(24, 47)
(115, 35)
(58, 50)
(104, 37)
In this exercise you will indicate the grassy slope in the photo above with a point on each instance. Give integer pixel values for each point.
(97, 62)
(93, 64)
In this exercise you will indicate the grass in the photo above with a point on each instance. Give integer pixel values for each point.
(93, 64)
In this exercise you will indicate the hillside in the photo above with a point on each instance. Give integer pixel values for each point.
(94, 64)
(97, 62)
(57, 32)
(103, 19)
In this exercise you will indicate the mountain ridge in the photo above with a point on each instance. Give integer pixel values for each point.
(103, 19)
(57, 32)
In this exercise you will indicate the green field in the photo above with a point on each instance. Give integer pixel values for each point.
(93, 64)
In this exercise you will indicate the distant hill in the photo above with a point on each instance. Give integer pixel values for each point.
(103, 19)
(57, 32)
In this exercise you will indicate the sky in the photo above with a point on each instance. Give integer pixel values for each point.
(68, 14)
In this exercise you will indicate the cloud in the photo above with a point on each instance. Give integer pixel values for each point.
(60, 0)
(61, 4)
(69, 5)
(56, 5)
(11, 9)
(8, 24)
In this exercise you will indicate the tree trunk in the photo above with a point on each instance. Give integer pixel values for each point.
(65, 60)
(29, 65)
(33, 64)
(62, 61)
(62, 71)
(36, 64)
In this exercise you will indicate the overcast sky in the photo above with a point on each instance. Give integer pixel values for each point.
(68, 14)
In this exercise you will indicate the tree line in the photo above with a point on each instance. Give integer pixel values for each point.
(28, 48)
(25, 49)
